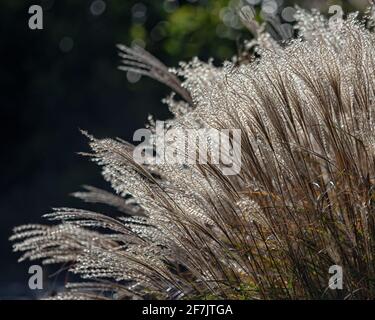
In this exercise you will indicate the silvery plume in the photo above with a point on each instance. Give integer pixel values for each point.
(303, 201)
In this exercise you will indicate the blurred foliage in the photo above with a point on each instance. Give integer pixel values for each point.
(206, 28)
(181, 29)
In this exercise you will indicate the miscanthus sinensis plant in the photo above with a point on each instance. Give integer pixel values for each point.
(303, 201)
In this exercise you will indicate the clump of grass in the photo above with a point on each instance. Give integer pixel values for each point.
(303, 201)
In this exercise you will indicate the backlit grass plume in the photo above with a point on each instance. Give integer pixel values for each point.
(303, 201)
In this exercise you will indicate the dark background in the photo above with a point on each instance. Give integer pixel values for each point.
(64, 77)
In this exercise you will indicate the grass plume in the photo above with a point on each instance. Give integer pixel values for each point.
(303, 201)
